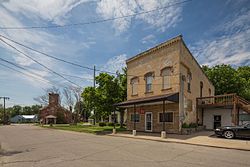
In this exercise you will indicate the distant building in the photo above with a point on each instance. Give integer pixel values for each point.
(24, 119)
(54, 112)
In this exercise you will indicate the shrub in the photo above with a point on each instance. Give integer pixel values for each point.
(185, 125)
(110, 124)
(102, 124)
(193, 125)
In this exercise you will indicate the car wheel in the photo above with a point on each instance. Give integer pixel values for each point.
(229, 134)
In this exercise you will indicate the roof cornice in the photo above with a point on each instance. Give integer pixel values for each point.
(157, 47)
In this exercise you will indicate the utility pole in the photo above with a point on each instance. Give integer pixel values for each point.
(94, 89)
(4, 113)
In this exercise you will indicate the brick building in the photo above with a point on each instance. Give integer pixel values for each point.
(162, 86)
(54, 112)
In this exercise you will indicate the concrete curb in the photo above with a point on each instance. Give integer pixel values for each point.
(165, 141)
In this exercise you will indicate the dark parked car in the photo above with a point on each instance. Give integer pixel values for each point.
(230, 132)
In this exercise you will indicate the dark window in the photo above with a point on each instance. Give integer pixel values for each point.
(189, 78)
(135, 118)
(169, 117)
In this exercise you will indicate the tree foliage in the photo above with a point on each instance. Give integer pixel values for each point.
(227, 79)
(110, 90)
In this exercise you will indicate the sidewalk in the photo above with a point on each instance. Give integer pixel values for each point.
(204, 138)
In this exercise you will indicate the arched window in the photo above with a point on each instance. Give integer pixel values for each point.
(134, 85)
(149, 81)
(166, 73)
(209, 92)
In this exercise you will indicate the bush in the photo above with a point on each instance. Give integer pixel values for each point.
(193, 125)
(102, 124)
(185, 125)
(110, 124)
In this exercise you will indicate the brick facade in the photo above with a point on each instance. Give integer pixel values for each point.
(172, 54)
(54, 108)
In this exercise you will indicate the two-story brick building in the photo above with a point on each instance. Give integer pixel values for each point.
(162, 86)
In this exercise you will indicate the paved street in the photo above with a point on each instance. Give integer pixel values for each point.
(26, 145)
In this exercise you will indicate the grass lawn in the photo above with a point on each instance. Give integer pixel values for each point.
(85, 128)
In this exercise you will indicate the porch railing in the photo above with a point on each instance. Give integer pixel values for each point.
(227, 99)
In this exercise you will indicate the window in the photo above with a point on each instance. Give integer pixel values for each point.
(149, 81)
(209, 92)
(189, 78)
(135, 117)
(134, 84)
(201, 87)
(169, 117)
(165, 73)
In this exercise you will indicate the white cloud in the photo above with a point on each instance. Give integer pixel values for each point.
(50, 10)
(115, 63)
(160, 19)
(56, 45)
(149, 39)
(232, 47)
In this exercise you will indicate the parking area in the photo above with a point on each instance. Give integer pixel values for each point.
(27, 145)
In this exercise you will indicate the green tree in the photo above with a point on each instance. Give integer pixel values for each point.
(82, 109)
(90, 99)
(109, 90)
(35, 109)
(244, 73)
(16, 110)
(122, 85)
(27, 110)
(226, 79)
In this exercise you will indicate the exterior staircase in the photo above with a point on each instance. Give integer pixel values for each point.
(243, 104)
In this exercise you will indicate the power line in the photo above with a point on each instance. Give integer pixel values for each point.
(65, 61)
(23, 73)
(74, 76)
(26, 74)
(53, 57)
(33, 73)
(96, 21)
(38, 62)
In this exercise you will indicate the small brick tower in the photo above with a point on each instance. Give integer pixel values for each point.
(53, 99)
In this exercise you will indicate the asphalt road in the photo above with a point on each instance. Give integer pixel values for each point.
(27, 146)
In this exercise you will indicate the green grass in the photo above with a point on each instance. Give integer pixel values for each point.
(82, 128)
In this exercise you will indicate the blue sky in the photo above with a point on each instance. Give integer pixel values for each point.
(215, 31)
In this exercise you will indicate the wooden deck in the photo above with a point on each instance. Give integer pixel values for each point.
(225, 101)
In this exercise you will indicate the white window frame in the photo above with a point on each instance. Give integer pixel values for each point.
(147, 85)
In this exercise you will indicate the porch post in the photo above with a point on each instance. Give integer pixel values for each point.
(234, 117)
(134, 129)
(163, 117)
(163, 133)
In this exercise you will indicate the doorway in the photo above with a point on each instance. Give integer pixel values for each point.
(148, 121)
(217, 121)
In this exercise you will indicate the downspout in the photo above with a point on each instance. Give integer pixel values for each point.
(181, 92)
